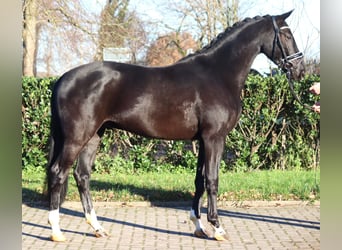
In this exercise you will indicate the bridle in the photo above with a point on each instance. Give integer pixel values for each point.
(286, 63)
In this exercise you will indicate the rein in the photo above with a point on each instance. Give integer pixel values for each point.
(286, 61)
(290, 81)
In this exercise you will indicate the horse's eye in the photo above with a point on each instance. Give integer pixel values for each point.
(288, 37)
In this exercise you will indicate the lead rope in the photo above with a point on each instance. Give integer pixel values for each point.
(289, 79)
(285, 62)
(288, 76)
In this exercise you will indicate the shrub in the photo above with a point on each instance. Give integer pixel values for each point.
(35, 109)
(274, 132)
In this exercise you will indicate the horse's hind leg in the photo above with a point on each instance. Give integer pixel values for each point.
(82, 176)
(58, 172)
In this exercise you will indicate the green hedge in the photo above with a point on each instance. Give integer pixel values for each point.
(274, 132)
(35, 109)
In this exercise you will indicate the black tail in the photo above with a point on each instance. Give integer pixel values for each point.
(56, 146)
(47, 182)
(52, 158)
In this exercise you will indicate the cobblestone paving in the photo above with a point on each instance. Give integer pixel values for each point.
(158, 227)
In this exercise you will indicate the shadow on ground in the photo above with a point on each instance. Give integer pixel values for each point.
(155, 196)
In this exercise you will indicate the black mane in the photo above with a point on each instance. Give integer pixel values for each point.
(221, 36)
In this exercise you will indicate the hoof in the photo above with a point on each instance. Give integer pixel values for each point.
(220, 237)
(101, 233)
(220, 234)
(58, 238)
(202, 234)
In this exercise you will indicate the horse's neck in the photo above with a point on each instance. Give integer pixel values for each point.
(237, 55)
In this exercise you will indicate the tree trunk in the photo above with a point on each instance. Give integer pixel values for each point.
(29, 33)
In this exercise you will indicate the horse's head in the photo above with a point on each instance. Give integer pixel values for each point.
(283, 49)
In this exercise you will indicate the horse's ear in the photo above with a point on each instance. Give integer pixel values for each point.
(285, 15)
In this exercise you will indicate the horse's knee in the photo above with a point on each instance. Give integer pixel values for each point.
(212, 186)
(56, 179)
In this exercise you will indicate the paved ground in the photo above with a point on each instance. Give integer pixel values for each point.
(139, 226)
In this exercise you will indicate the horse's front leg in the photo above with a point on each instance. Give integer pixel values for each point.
(82, 177)
(195, 213)
(213, 152)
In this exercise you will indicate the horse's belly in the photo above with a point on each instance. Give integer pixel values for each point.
(161, 125)
(179, 122)
(174, 130)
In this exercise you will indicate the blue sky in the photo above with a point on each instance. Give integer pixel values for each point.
(304, 21)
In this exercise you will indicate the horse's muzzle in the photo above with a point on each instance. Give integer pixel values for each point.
(297, 69)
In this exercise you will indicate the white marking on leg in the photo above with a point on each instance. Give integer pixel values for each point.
(92, 220)
(54, 221)
(57, 234)
(197, 222)
(220, 234)
(219, 230)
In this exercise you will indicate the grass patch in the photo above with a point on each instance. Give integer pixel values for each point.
(166, 186)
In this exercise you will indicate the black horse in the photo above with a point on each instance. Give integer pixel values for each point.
(197, 98)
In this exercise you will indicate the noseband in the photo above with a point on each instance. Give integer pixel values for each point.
(286, 63)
